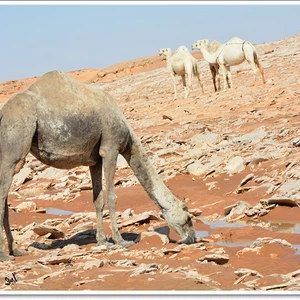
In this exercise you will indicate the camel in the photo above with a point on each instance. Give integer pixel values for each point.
(65, 123)
(214, 68)
(232, 53)
(181, 62)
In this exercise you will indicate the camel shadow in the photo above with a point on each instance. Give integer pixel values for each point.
(89, 237)
(82, 238)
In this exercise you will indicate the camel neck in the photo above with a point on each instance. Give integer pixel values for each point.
(209, 57)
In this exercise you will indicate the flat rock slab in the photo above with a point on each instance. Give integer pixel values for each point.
(140, 218)
(44, 229)
(55, 260)
(280, 201)
(217, 258)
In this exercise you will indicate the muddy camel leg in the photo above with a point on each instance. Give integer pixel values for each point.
(96, 175)
(11, 244)
(6, 175)
(110, 163)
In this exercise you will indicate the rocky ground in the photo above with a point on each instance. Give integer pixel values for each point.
(232, 156)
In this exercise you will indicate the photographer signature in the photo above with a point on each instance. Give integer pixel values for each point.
(11, 279)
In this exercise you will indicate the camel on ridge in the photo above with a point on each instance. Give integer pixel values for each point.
(65, 123)
(182, 63)
(232, 53)
(213, 67)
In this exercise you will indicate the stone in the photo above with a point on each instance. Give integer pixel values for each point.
(219, 259)
(91, 264)
(210, 138)
(55, 260)
(121, 162)
(140, 218)
(84, 226)
(235, 165)
(253, 137)
(283, 201)
(290, 187)
(127, 213)
(196, 168)
(195, 212)
(152, 234)
(45, 229)
(25, 206)
(20, 177)
(145, 268)
(70, 248)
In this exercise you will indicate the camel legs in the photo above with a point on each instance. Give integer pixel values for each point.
(257, 64)
(13, 148)
(96, 175)
(7, 171)
(6, 175)
(110, 163)
(200, 83)
(227, 77)
(174, 85)
(215, 74)
(186, 88)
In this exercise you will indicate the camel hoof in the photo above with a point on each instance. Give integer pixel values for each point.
(188, 240)
(126, 244)
(5, 257)
(105, 243)
(18, 252)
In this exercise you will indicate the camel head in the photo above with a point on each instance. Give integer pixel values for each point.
(165, 51)
(180, 220)
(200, 43)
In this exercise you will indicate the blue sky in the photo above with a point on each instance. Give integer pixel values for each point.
(37, 38)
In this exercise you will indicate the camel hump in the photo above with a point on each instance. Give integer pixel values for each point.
(53, 79)
(236, 40)
(183, 48)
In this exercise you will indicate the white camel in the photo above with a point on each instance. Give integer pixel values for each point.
(232, 53)
(182, 63)
(214, 68)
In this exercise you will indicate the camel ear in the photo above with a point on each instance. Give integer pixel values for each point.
(206, 41)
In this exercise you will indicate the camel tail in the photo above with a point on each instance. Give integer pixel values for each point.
(195, 69)
(257, 62)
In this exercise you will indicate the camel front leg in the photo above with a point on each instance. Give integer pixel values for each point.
(186, 88)
(110, 163)
(200, 83)
(174, 85)
(213, 75)
(96, 175)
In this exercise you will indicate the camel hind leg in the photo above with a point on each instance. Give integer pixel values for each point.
(253, 61)
(199, 81)
(257, 62)
(15, 142)
(186, 88)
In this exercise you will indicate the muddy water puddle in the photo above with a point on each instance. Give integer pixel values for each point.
(57, 211)
(293, 228)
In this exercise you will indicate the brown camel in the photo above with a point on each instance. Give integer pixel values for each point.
(65, 123)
